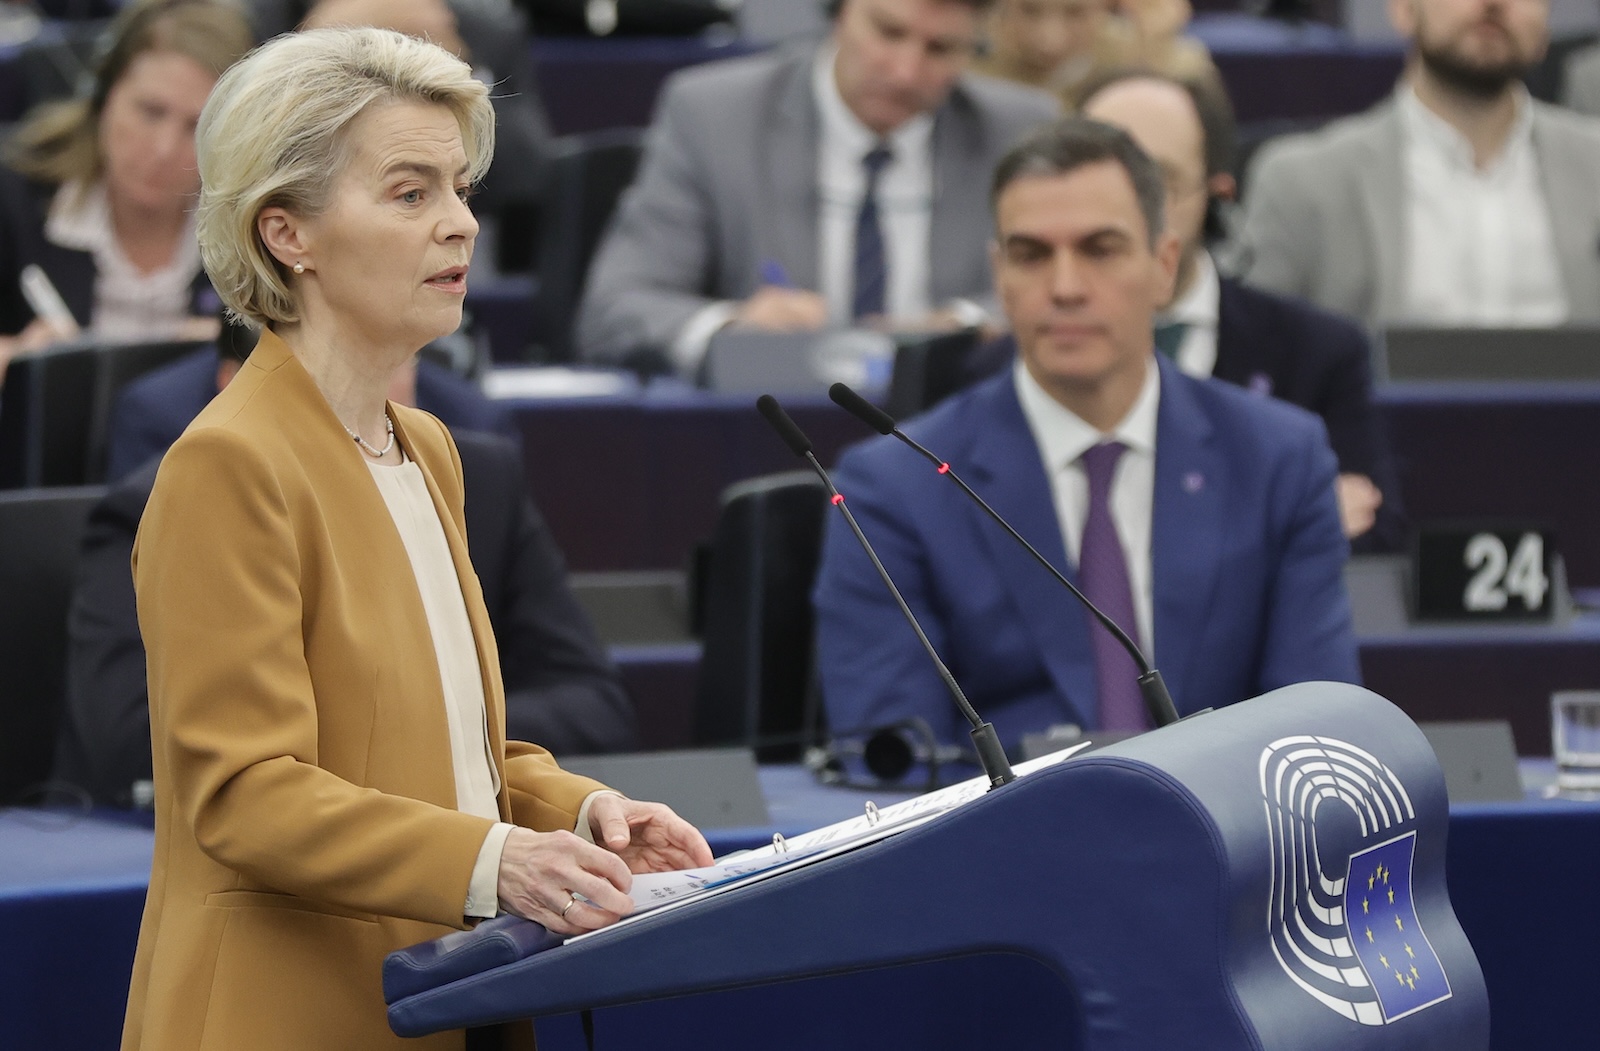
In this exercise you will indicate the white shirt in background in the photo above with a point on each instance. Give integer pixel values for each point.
(1479, 250)
(905, 201)
(1198, 309)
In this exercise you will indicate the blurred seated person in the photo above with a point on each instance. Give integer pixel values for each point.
(150, 412)
(561, 688)
(1059, 45)
(1200, 518)
(1216, 326)
(98, 191)
(1459, 201)
(487, 34)
(827, 184)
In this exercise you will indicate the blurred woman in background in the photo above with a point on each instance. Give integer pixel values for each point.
(1059, 45)
(98, 192)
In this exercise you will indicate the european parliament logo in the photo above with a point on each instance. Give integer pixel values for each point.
(1342, 920)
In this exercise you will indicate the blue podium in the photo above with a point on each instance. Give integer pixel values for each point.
(1270, 875)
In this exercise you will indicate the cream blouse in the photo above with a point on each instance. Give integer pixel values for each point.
(405, 491)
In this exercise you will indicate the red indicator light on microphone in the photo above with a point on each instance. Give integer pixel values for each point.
(944, 468)
(838, 498)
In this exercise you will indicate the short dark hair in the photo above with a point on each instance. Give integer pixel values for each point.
(1075, 142)
(1218, 127)
(831, 8)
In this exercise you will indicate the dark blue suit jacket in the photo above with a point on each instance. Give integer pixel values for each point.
(1246, 557)
(1291, 349)
(153, 410)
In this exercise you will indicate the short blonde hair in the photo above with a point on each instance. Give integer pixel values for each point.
(273, 135)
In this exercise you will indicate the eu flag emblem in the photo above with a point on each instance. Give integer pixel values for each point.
(1401, 965)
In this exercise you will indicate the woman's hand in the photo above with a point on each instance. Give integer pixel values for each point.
(649, 837)
(542, 873)
(38, 335)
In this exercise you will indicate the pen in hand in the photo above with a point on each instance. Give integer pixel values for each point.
(46, 302)
(778, 306)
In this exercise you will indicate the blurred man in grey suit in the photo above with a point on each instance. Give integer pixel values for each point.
(821, 185)
(1459, 201)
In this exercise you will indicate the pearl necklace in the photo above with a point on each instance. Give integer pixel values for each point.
(376, 454)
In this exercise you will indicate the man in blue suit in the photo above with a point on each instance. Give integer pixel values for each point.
(1204, 519)
(1215, 326)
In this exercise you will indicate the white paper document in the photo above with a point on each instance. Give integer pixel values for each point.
(652, 892)
(556, 381)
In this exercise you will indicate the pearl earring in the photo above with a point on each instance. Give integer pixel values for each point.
(299, 268)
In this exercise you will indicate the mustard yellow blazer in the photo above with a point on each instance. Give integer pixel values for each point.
(305, 799)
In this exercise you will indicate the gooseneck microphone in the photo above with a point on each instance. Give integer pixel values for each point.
(984, 739)
(1157, 701)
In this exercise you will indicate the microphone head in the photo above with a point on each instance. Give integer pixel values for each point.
(787, 429)
(861, 408)
(888, 755)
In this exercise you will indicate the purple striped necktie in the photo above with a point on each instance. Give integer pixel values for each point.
(1103, 576)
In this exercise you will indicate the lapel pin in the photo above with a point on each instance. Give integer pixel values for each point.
(1193, 482)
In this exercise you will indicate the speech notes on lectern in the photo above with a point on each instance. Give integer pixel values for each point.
(655, 891)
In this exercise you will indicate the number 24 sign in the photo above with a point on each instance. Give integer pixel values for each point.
(1483, 573)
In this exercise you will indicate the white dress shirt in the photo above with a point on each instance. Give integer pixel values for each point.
(1063, 438)
(905, 200)
(1479, 247)
(1197, 308)
(129, 304)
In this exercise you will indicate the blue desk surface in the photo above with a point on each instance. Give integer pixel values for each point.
(71, 891)
(45, 854)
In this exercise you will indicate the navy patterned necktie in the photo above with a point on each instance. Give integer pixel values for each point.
(872, 269)
(1103, 576)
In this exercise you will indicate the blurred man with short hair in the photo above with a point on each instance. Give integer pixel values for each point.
(1215, 326)
(1460, 201)
(1062, 45)
(838, 184)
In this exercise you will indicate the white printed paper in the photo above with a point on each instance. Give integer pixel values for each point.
(656, 891)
